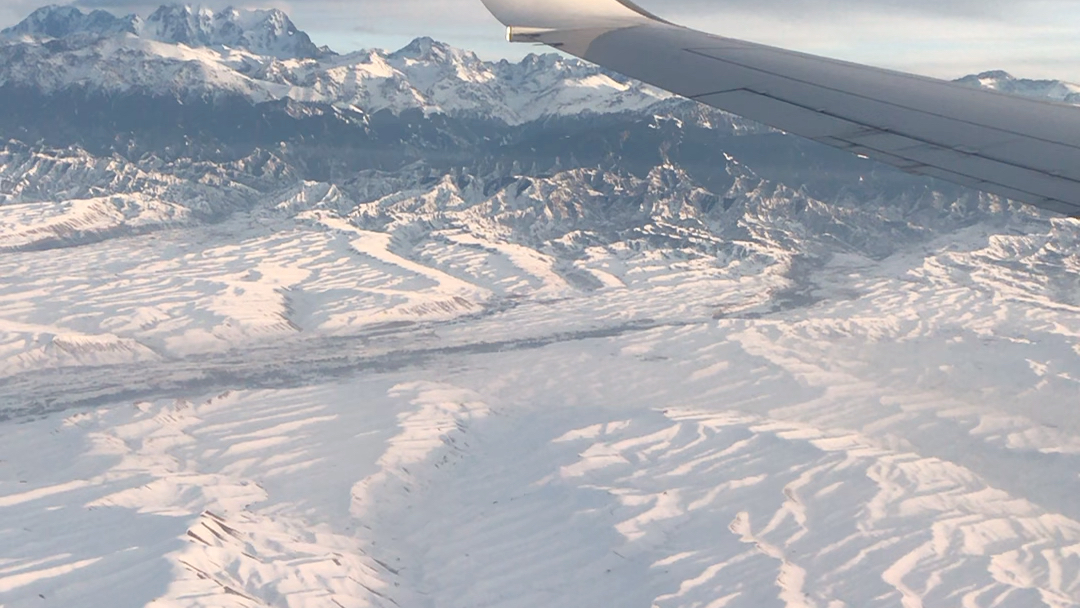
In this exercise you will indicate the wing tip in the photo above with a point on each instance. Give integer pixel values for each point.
(644, 13)
(555, 15)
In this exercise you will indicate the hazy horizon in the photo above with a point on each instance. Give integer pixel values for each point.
(946, 40)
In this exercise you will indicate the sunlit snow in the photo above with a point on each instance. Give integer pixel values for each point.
(666, 438)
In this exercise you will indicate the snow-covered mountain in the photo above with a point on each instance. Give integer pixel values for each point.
(409, 328)
(998, 80)
(263, 32)
(261, 56)
(64, 21)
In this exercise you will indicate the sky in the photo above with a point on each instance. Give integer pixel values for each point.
(945, 38)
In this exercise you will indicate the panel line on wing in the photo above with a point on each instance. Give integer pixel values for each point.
(724, 43)
(933, 146)
(814, 122)
(866, 130)
(874, 99)
(819, 125)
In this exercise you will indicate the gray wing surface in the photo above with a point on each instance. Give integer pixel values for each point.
(1024, 149)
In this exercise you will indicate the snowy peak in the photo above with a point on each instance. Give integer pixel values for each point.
(427, 63)
(62, 21)
(425, 53)
(425, 49)
(263, 32)
(181, 25)
(999, 80)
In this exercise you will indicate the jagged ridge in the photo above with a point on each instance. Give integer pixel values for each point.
(263, 32)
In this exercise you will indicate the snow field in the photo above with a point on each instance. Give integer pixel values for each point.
(299, 410)
(576, 474)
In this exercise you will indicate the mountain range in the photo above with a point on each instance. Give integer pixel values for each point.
(239, 101)
(264, 32)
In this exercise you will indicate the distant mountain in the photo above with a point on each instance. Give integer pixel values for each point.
(63, 21)
(997, 80)
(185, 53)
(263, 32)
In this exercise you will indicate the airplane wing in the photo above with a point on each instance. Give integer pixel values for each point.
(1024, 149)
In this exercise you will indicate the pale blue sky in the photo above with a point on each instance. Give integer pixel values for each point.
(947, 38)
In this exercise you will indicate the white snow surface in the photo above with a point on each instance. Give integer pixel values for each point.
(291, 410)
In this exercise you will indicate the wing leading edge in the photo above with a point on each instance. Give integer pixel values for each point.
(1024, 149)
